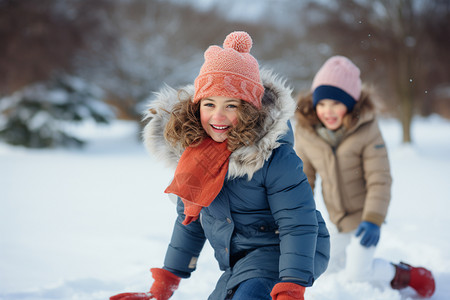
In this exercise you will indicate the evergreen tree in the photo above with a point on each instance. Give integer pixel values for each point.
(38, 115)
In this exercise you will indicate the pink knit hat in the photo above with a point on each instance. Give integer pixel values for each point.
(231, 72)
(337, 79)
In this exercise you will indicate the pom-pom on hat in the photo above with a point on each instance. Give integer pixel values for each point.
(230, 71)
(338, 79)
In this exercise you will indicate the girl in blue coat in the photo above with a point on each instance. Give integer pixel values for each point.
(238, 180)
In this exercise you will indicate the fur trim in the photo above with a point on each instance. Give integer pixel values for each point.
(157, 115)
(243, 161)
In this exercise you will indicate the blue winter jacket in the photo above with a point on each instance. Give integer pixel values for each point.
(264, 222)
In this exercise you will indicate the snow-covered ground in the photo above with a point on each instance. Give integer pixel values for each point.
(84, 225)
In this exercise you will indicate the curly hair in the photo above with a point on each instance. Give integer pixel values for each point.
(184, 126)
(305, 109)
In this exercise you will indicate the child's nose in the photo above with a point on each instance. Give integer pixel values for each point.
(219, 115)
(328, 109)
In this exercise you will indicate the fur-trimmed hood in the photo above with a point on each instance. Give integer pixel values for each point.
(245, 160)
(363, 111)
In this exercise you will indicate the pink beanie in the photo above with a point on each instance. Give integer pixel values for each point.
(231, 72)
(338, 79)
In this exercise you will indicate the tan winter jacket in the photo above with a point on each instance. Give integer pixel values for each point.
(356, 179)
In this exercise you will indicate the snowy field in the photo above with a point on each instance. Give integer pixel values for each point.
(87, 224)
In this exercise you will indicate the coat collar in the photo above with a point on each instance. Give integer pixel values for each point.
(245, 160)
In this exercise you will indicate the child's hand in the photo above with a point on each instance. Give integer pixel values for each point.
(287, 291)
(132, 296)
(162, 289)
(371, 233)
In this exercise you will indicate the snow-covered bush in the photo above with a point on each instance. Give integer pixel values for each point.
(38, 115)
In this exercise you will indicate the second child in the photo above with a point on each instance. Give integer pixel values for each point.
(337, 137)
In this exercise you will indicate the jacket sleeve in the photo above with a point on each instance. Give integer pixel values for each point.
(292, 204)
(377, 176)
(185, 246)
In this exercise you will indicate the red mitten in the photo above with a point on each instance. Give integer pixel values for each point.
(162, 289)
(287, 291)
(132, 296)
(165, 283)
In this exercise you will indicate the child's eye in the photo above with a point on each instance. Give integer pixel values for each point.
(208, 105)
(232, 106)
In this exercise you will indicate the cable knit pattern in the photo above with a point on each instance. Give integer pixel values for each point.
(340, 72)
(230, 71)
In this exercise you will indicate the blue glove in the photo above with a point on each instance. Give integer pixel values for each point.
(371, 233)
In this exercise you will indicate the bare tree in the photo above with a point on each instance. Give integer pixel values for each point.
(395, 42)
(130, 48)
(40, 38)
(156, 42)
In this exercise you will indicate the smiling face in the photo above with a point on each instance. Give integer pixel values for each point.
(331, 113)
(218, 115)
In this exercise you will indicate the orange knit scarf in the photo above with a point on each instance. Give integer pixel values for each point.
(199, 176)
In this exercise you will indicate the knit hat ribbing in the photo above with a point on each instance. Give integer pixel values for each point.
(231, 72)
(338, 79)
